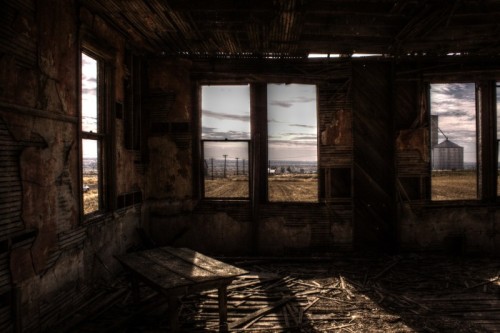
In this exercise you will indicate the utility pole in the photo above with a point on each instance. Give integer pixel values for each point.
(225, 157)
(237, 158)
(212, 166)
(243, 162)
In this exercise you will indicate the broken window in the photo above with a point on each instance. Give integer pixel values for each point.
(225, 119)
(453, 141)
(292, 142)
(92, 133)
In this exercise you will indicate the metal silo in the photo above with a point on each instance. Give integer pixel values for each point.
(447, 156)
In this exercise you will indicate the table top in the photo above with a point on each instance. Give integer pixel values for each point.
(169, 268)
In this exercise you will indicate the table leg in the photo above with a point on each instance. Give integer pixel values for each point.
(223, 308)
(136, 295)
(173, 313)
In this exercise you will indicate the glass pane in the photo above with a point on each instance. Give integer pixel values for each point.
(453, 141)
(226, 169)
(225, 112)
(90, 169)
(89, 94)
(292, 137)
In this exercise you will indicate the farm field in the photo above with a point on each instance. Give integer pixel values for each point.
(446, 185)
(290, 187)
(454, 185)
(91, 196)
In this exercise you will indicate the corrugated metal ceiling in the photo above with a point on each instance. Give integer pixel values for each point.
(296, 28)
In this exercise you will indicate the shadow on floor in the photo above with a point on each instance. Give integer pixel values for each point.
(354, 293)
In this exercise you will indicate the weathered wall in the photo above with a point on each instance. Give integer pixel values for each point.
(175, 213)
(370, 185)
(451, 227)
(454, 230)
(50, 258)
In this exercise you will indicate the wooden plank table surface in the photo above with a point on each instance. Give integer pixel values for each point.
(174, 272)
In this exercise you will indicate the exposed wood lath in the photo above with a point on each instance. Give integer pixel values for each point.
(279, 28)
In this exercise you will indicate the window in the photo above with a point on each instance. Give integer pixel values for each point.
(226, 141)
(288, 151)
(453, 141)
(93, 133)
(292, 142)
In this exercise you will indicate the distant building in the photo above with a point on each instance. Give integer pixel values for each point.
(447, 156)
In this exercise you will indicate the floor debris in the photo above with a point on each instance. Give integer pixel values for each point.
(405, 293)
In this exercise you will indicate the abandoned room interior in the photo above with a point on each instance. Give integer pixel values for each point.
(339, 158)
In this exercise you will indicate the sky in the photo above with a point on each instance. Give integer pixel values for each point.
(292, 122)
(89, 104)
(455, 105)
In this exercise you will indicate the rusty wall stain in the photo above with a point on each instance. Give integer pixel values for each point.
(414, 139)
(339, 131)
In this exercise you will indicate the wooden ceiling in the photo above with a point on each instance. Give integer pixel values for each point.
(296, 28)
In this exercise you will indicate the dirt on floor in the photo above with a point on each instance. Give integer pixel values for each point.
(337, 293)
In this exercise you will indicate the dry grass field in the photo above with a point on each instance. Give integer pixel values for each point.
(446, 185)
(296, 188)
(289, 187)
(90, 197)
(454, 185)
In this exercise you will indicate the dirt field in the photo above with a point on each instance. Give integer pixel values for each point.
(296, 188)
(446, 185)
(90, 197)
(454, 185)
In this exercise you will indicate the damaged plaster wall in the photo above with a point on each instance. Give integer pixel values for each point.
(454, 231)
(55, 259)
(455, 228)
(176, 215)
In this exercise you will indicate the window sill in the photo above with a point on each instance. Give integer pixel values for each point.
(96, 217)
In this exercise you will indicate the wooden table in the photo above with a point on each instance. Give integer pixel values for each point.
(174, 272)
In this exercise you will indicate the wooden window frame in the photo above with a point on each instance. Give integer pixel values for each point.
(106, 130)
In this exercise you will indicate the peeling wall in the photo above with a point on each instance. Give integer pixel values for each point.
(176, 215)
(54, 259)
(51, 260)
(454, 230)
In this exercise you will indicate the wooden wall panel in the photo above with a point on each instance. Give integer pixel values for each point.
(412, 141)
(10, 184)
(374, 220)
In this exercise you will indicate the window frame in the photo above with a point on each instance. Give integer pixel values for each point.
(200, 141)
(318, 196)
(249, 181)
(105, 131)
(487, 141)
(477, 138)
(258, 143)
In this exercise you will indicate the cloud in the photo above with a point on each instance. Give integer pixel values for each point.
(292, 143)
(303, 126)
(292, 101)
(89, 91)
(283, 104)
(210, 133)
(225, 116)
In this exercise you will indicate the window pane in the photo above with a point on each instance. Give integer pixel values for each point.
(90, 169)
(453, 141)
(292, 137)
(225, 112)
(226, 169)
(89, 94)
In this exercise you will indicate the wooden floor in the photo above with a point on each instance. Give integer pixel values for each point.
(406, 293)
